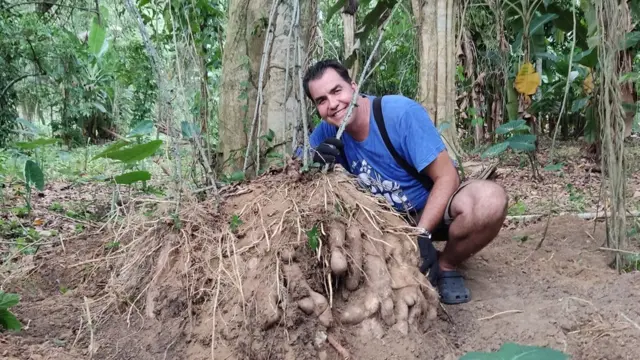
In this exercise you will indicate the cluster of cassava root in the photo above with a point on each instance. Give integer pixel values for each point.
(377, 279)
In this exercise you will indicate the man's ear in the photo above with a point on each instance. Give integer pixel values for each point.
(354, 86)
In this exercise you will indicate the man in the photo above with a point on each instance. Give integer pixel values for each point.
(468, 215)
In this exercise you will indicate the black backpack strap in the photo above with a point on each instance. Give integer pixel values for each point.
(377, 114)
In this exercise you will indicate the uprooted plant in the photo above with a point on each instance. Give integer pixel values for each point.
(261, 273)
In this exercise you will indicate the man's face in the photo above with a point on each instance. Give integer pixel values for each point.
(332, 95)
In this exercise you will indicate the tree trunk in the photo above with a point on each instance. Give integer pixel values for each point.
(499, 78)
(241, 62)
(477, 97)
(468, 54)
(349, 30)
(437, 45)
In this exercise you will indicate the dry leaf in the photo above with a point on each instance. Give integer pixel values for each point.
(527, 80)
(636, 194)
(587, 84)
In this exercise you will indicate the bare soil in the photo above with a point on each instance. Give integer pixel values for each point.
(170, 290)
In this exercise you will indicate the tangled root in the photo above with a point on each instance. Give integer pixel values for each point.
(286, 251)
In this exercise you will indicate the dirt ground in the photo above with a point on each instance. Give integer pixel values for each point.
(563, 295)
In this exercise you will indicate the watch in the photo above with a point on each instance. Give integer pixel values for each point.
(424, 232)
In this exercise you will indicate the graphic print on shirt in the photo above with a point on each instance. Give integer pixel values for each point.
(372, 181)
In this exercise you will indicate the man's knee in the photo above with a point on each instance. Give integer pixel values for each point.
(496, 200)
(483, 199)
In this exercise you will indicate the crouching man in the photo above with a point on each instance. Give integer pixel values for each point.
(392, 146)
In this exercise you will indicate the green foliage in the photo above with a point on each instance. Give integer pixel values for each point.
(97, 37)
(631, 262)
(33, 175)
(8, 321)
(10, 73)
(576, 197)
(237, 176)
(313, 238)
(82, 87)
(56, 207)
(201, 23)
(496, 149)
(512, 351)
(132, 177)
(142, 128)
(396, 71)
(235, 223)
(512, 127)
(518, 208)
(134, 74)
(37, 143)
(516, 139)
(128, 153)
(553, 167)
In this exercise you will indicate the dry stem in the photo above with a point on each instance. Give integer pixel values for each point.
(215, 301)
(363, 74)
(619, 251)
(303, 110)
(92, 345)
(339, 348)
(286, 83)
(630, 321)
(501, 313)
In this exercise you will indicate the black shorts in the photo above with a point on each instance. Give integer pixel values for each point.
(441, 232)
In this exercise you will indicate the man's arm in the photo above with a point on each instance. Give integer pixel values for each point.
(445, 182)
(318, 135)
(425, 150)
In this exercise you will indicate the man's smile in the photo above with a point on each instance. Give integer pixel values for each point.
(338, 113)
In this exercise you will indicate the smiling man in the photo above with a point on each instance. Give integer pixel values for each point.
(392, 146)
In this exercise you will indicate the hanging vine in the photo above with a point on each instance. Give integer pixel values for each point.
(610, 20)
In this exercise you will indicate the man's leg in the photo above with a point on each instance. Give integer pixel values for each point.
(472, 219)
(477, 213)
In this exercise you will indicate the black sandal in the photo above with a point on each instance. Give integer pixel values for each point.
(451, 288)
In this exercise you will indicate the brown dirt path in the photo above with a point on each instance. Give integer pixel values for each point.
(562, 296)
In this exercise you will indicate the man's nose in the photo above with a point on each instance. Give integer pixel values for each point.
(332, 102)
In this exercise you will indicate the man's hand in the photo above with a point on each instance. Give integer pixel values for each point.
(428, 258)
(328, 151)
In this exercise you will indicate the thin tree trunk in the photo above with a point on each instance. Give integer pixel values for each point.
(437, 45)
(477, 87)
(477, 98)
(349, 31)
(500, 82)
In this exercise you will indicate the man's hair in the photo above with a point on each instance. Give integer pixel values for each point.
(317, 70)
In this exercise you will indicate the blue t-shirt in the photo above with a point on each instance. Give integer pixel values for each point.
(414, 137)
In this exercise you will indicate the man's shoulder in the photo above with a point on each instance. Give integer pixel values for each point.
(399, 106)
(398, 100)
